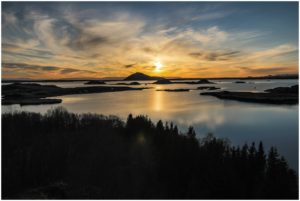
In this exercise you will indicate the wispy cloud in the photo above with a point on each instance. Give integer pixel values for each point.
(42, 71)
(121, 41)
(269, 70)
(216, 55)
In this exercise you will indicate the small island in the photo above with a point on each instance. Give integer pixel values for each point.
(201, 81)
(204, 81)
(173, 90)
(240, 82)
(95, 82)
(208, 88)
(280, 95)
(163, 81)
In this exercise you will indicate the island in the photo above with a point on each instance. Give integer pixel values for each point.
(141, 76)
(240, 82)
(208, 88)
(279, 95)
(166, 81)
(34, 94)
(201, 81)
(284, 90)
(173, 90)
(163, 81)
(95, 82)
(204, 81)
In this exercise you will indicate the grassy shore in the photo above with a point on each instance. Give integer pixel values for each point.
(88, 156)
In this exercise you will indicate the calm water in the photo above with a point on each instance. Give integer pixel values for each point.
(240, 122)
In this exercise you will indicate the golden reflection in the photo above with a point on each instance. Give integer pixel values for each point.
(72, 99)
(158, 100)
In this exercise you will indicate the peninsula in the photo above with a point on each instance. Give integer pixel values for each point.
(35, 94)
(279, 95)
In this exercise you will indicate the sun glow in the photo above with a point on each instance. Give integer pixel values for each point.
(158, 66)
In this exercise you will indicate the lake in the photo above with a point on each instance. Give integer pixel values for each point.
(275, 125)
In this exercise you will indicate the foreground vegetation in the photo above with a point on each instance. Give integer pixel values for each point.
(64, 155)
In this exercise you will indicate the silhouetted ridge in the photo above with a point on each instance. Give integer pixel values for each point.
(61, 155)
(141, 76)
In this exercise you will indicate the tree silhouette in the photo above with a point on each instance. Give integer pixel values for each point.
(61, 155)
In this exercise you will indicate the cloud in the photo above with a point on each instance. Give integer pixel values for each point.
(210, 36)
(216, 55)
(72, 70)
(269, 70)
(95, 43)
(210, 16)
(27, 66)
(85, 43)
(274, 51)
(9, 18)
(129, 65)
(38, 70)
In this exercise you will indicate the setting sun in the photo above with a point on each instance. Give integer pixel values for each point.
(158, 66)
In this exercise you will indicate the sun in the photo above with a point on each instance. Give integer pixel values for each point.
(158, 66)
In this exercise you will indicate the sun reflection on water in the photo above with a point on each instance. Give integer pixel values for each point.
(158, 101)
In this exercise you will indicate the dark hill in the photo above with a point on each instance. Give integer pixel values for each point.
(141, 76)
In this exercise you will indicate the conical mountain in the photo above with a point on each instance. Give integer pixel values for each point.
(141, 76)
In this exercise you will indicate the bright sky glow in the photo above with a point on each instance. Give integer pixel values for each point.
(51, 40)
(158, 66)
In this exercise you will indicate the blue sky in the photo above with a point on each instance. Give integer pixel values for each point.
(193, 39)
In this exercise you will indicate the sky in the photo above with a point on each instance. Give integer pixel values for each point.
(59, 40)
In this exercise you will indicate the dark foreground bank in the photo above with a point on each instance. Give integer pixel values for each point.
(61, 155)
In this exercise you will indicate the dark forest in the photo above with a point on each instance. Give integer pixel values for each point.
(61, 155)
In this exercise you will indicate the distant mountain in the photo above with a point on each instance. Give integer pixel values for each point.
(141, 76)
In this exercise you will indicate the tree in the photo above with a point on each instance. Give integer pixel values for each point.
(191, 132)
